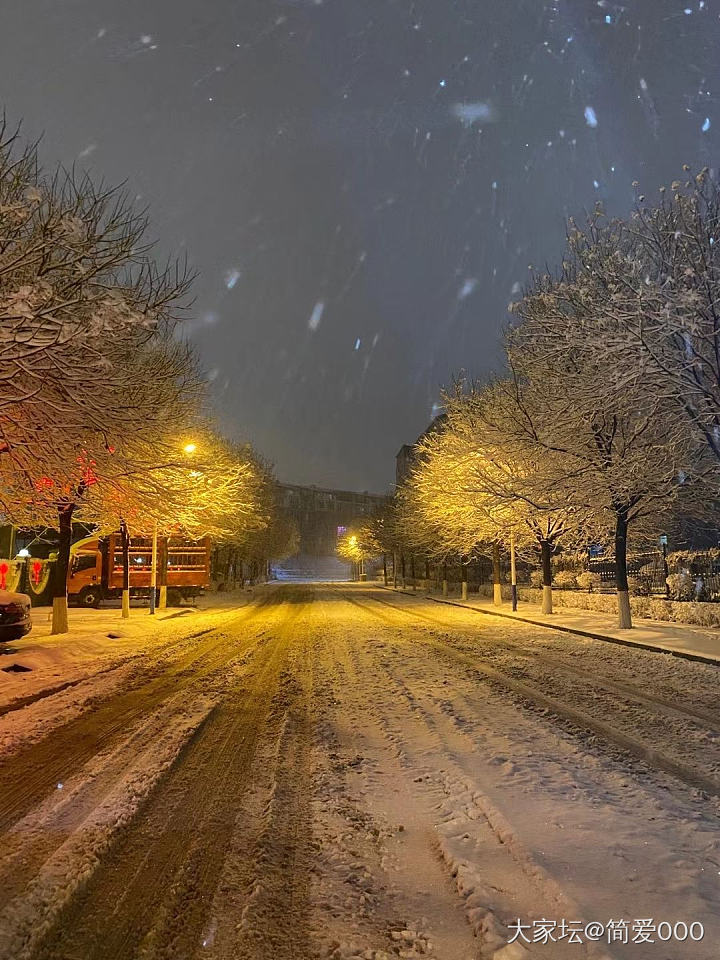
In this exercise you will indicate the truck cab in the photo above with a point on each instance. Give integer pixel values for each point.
(85, 577)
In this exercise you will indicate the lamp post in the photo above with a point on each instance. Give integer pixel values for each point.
(663, 544)
(513, 572)
(24, 555)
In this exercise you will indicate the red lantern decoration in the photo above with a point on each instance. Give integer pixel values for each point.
(4, 567)
(36, 571)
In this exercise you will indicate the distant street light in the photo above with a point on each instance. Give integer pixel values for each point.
(190, 447)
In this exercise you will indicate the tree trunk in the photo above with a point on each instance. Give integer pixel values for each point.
(427, 574)
(125, 546)
(403, 581)
(621, 580)
(463, 577)
(162, 572)
(62, 565)
(395, 576)
(546, 562)
(497, 581)
(385, 573)
(412, 572)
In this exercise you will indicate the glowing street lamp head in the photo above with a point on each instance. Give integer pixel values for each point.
(190, 447)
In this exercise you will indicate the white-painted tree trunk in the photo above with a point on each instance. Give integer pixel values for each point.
(547, 606)
(125, 604)
(445, 588)
(464, 590)
(624, 613)
(59, 615)
(162, 598)
(497, 594)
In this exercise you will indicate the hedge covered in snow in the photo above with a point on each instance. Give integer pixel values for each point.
(694, 613)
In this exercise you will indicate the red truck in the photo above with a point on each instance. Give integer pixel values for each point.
(96, 569)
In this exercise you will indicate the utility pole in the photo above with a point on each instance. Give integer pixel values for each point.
(125, 543)
(513, 572)
(153, 568)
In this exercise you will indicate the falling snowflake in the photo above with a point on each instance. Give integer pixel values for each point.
(467, 288)
(316, 315)
(477, 112)
(231, 278)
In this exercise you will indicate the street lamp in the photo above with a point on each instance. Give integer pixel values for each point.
(666, 572)
(23, 555)
(190, 447)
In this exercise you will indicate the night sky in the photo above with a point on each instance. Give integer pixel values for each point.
(362, 184)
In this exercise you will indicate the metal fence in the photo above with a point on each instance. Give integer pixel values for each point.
(648, 571)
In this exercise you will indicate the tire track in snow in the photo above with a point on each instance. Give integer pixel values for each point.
(29, 775)
(578, 717)
(423, 747)
(666, 875)
(151, 895)
(672, 708)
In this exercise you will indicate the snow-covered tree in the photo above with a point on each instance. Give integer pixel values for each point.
(359, 545)
(476, 484)
(658, 274)
(65, 473)
(507, 470)
(275, 536)
(90, 368)
(603, 439)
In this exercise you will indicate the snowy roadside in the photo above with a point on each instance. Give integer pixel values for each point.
(99, 640)
(64, 675)
(682, 640)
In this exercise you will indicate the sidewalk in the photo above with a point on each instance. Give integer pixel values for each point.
(680, 640)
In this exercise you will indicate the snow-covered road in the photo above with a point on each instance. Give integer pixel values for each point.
(343, 771)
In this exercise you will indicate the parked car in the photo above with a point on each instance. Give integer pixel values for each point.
(15, 619)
